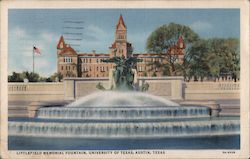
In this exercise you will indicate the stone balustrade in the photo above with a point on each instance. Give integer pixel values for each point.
(42, 91)
(14, 87)
(168, 87)
(211, 90)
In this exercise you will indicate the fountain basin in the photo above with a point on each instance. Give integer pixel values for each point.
(119, 113)
(121, 99)
(125, 129)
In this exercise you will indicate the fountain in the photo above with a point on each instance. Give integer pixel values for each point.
(123, 113)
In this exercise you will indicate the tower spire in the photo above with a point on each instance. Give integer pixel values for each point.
(61, 43)
(120, 22)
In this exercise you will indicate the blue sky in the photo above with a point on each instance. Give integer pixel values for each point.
(43, 28)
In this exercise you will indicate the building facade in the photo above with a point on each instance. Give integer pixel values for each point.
(73, 64)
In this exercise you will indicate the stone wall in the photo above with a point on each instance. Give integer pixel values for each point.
(168, 87)
(211, 90)
(79, 87)
(35, 91)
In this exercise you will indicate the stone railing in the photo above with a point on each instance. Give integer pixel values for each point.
(168, 87)
(213, 85)
(229, 86)
(41, 91)
(211, 90)
(14, 87)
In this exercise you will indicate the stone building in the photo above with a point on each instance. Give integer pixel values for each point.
(73, 64)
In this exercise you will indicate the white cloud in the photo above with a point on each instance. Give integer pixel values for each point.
(95, 37)
(49, 37)
(94, 33)
(201, 26)
(21, 51)
(138, 40)
(18, 32)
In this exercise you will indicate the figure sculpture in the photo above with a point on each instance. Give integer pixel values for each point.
(123, 74)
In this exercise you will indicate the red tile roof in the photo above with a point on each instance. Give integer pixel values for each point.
(175, 50)
(68, 49)
(93, 55)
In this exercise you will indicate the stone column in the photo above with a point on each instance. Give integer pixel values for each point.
(69, 89)
(176, 89)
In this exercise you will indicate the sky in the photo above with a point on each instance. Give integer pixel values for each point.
(95, 30)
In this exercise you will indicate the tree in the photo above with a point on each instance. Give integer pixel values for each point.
(31, 76)
(56, 77)
(195, 64)
(213, 58)
(163, 38)
(224, 57)
(15, 77)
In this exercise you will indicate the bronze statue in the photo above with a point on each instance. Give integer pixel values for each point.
(123, 74)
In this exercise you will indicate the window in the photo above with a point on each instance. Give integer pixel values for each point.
(97, 68)
(67, 59)
(62, 68)
(97, 60)
(89, 60)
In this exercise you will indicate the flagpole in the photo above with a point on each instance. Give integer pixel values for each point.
(33, 60)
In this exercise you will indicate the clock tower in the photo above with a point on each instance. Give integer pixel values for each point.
(121, 47)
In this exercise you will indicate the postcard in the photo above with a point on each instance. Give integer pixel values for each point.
(125, 79)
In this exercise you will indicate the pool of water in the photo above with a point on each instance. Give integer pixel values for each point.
(41, 143)
(73, 143)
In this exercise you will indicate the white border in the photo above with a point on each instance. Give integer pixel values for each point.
(244, 41)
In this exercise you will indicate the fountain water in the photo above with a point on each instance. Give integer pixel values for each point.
(123, 114)
(137, 115)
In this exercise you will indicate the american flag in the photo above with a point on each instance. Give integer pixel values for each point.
(36, 51)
